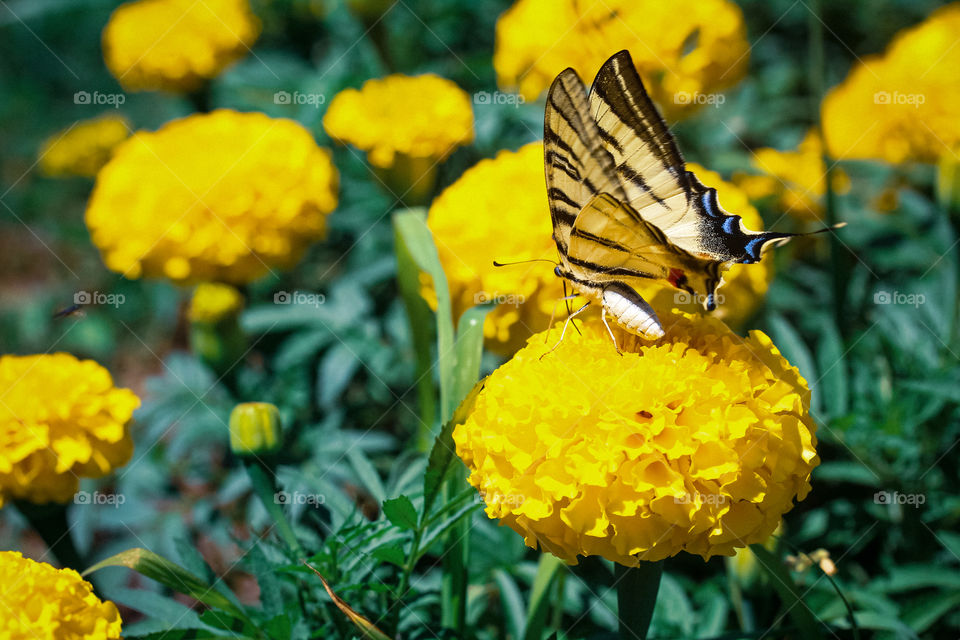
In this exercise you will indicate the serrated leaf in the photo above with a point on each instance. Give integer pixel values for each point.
(401, 512)
(392, 553)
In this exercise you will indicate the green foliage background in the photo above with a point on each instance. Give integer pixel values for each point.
(885, 378)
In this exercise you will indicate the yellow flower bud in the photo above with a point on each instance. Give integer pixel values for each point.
(254, 428)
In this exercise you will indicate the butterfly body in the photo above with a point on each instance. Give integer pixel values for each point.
(625, 210)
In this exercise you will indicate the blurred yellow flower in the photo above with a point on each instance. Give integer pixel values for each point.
(42, 602)
(213, 301)
(81, 150)
(903, 105)
(419, 117)
(497, 210)
(61, 418)
(744, 285)
(176, 45)
(699, 442)
(255, 428)
(685, 50)
(224, 196)
(797, 177)
(471, 230)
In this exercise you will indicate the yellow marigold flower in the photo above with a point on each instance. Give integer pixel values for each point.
(224, 196)
(683, 50)
(903, 105)
(699, 442)
(176, 45)
(61, 418)
(798, 177)
(497, 210)
(471, 231)
(420, 117)
(42, 602)
(213, 301)
(84, 148)
(745, 285)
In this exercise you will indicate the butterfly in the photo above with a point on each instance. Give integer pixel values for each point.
(625, 210)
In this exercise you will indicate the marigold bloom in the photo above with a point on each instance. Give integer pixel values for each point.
(213, 301)
(683, 50)
(698, 443)
(43, 602)
(471, 231)
(61, 418)
(176, 45)
(420, 117)
(84, 148)
(224, 196)
(903, 105)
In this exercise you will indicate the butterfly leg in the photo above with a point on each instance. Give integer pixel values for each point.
(553, 314)
(564, 331)
(603, 316)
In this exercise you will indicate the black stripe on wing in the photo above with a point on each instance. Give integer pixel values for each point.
(572, 178)
(619, 85)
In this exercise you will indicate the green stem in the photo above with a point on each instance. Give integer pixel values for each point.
(453, 586)
(265, 488)
(818, 86)
(50, 521)
(637, 589)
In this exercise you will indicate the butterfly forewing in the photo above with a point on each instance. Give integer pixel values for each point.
(577, 166)
(653, 173)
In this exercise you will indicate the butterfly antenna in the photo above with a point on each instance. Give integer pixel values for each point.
(510, 264)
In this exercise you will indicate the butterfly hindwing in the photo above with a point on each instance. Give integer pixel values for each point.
(611, 242)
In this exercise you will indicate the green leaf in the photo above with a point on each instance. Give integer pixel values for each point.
(833, 369)
(443, 455)
(170, 575)
(421, 321)
(469, 351)
(790, 597)
(392, 553)
(411, 228)
(366, 473)
(401, 512)
(337, 368)
(512, 602)
(547, 569)
(923, 612)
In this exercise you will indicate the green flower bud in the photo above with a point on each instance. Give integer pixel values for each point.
(255, 428)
